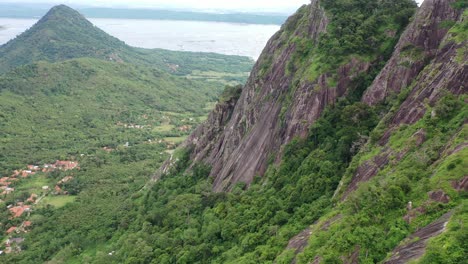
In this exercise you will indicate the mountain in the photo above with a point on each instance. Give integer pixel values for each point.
(63, 34)
(293, 82)
(353, 125)
(85, 120)
(347, 144)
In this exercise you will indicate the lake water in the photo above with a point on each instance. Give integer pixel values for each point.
(225, 38)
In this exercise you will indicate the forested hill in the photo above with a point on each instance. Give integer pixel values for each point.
(63, 34)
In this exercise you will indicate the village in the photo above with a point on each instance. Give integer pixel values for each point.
(21, 210)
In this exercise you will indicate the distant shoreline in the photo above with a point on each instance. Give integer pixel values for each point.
(203, 36)
(7, 11)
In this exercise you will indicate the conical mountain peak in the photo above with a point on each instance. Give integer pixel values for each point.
(63, 33)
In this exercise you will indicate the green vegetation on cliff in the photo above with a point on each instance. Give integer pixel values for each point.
(373, 216)
(367, 30)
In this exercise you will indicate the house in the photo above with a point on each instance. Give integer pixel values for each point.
(66, 165)
(6, 190)
(25, 226)
(4, 181)
(18, 211)
(107, 149)
(13, 241)
(48, 168)
(33, 168)
(32, 198)
(65, 180)
(11, 230)
(58, 190)
(26, 173)
(185, 128)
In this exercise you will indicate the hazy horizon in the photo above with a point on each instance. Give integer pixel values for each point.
(258, 6)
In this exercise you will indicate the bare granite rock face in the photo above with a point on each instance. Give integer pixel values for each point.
(273, 107)
(353, 258)
(416, 245)
(203, 139)
(417, 46)
(299, 242)
(439, 196)
(260, 124)
(461, 185)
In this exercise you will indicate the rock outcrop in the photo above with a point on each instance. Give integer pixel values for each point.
(416, 245)
(417, 47)
(240, 149)
(274, 107)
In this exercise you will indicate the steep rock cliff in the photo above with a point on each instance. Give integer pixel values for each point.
(241, 149)
(279, 102)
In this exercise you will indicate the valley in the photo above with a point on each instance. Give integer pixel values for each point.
(114, 120)
(346, 142)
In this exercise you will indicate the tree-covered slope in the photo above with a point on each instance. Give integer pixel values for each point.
(48, 107)
(63, 34)
(118, 121)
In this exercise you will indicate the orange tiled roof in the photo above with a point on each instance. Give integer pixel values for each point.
(11, 230)
(17, 211)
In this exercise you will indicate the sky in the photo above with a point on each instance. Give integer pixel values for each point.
(257, 5)
(286, 6)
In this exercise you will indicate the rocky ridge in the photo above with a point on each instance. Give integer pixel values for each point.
(445, 73)
(243, 137)
(274, 106)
